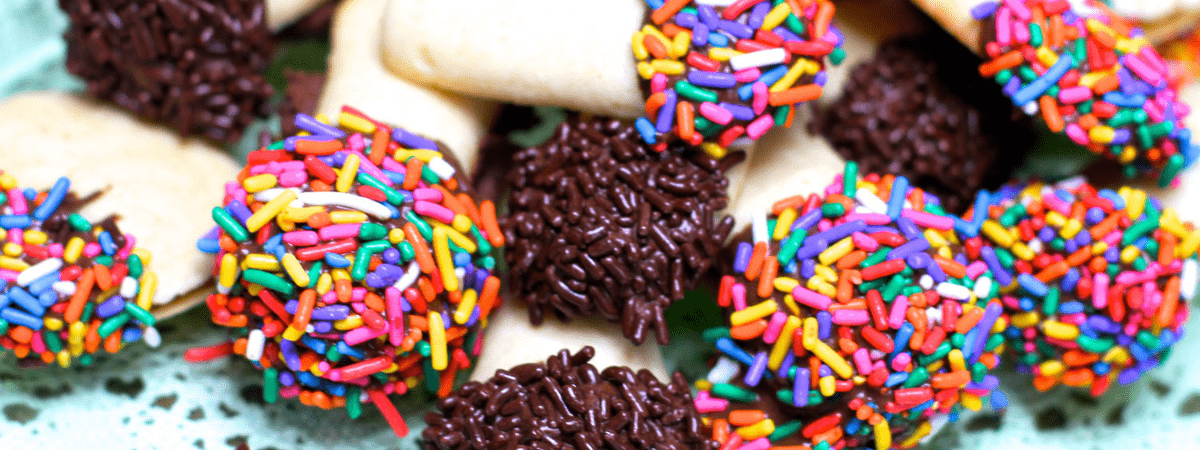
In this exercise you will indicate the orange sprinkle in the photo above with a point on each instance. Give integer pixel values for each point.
(756, 261)
(685, 114)
(308, 147)
(1054, 119)
(749, 330)
(766, 283)
(655, 101)
(423, 256)
(79, 299)
(412, 174)
(487, 212)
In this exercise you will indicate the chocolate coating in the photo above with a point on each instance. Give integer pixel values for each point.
(601, 225)
(918, 109)
(196, 65)
(568, 403)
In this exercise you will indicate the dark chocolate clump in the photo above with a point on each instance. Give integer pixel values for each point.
(300, 97)
(919, 109)
(567, 403)
(196, 65)
(601, 225)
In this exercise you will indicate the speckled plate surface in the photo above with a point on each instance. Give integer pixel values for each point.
(152, 399)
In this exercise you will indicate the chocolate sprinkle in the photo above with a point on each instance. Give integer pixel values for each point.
(601, 225)
(918, 109)
(567, 403)
(196, 65)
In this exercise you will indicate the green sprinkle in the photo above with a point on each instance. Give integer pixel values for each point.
(958, 339)
(483, 246)
(488, 262)
(407, 253)
(332, 354)
(831, 210)
(79, 223)
(781, 113)
(423, 227)
(3, 326)
(423, 348)
(787, 251)
(86, 360)
(1027, 74)
(731, 392)
(837, 56)
(794, 24)
(104, 260)
(431, 376)
(978, 372)
(140, 314)
(270, 281)
(113, 324)
(372, 231)
(1050, 303)
(135, 266)
(918, 377)
(1174, 165)
(1148, 340)
(277, 146)
(429, 176)
(50, 338)
(314, 274)
(1003, 76)
(1035, 35)
(693, 92)
(1145, 140)
(394, 197)
(1010, 216)
(786, 429)
(271, 385)
(994, 341)
(850, 179)
(353, 406)
(942, 350)
(711, 335)
(1094, 345)
(88, 309)
(815, 398)
(229, 224)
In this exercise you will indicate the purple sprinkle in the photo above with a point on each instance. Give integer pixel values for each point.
(741, 259)
(984, 10)
(474, 317)
(713, 79)
(811, 250)
(700, 35)
(740, 112)
(1128, 375)
(824, 324)
(312, 125)
(708, 16)
(835, 234)
(288, 348)
(908, 228)
(1013, 85)
(737, 29)
(918, 260)
(666, 113)
(111, 307)
(821, 78)
(808, 268)
(788, 360)
(1112, 254)
(411, 140)
(935, 271)
(786, 34)
(1046, 234)
(800, 387)
(908, 248)
(332, 312)
(238, 210)
(287, 378)
(686, 20)
(321, 326)
(808, 220)
(755, 372)
(824, 371)
(757, 14)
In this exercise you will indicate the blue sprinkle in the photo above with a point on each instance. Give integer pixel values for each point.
(646, 130)
(12, 315)
(347, 350)
(11, 221)
(53, 199)
(27, 302)
(1033, 285)
(210, 246)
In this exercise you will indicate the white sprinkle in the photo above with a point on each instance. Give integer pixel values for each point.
(953, 291)
(934, 316)
(223, 289)
(129, 287)
(926, 281)
(758, 59)
(1035, 245)
(983, 287)
(151, 337)
(254, 345)
(869, 200)
(442, 168)
(460, 273)
(343, 199)
(758, 227)
(270, 194)
(1031, 108)
(64, 288)
(1189, 278)
(723, 371)
(409, 277)
(38, 270)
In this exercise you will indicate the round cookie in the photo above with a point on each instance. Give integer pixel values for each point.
(714, 74)
(602, 225)
(357, 263)
(568, 403)
(1095, 283)
(856, 320)
(69, 287)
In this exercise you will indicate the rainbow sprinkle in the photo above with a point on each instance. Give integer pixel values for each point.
(1095, 282)
(356, 264)
(1092, 77)
(68, 287)
(855, 321)
(714, 74)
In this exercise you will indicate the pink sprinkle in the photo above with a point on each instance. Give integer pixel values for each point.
(8, 275)
(37, 345)
(901, 361)
(810, 298)
(1151, 298)
(738, 292)
(1076, 133)
(758, 444)
(717, 114)
(293, 179)
(851, 317)
(1061, 343)
(16, 236)
(976, 269)
(1020, 32)
(862, 361)
(395, 313)
(929, 220)
(1151, 57)
(339, 231)
(16, 199)
(1018, 9)
(1074, 94)
(358, 294)
(91, 249)
(1004, 26)
(292, 391)
(708, 405)
(1057, 204)
(1154, 111)
(747, 75)
(428, 195)
(869, 218)
(434, 210)
(260, 169)
(899, 307)
(358, 307)
(824, 224)
(1142, 69)
(364, 334)
(355, 142)
(1073, 319)
(130, 243)
(759, 126)
(1100, 291)
(658, 83)
(329, 297)
(301, 238)
(56, 250)
(391, 165)
(774, 327)
(760, 96)
(864, 241)
(367, 166)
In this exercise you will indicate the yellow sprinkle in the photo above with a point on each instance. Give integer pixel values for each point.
(956, 360)
(645, 70)
(269, 211)
(1128, 153)
(346, 175)
(73, 249)
(347, 216)
(826, 386)
(791, 304)
(254, 289)
(291, 334)
(639, 46)
(798, 68)
(752, 313)
(349, 323)
(324, 283)
(1023, 251)
(284, 224)
(396, 236)
(441, 252)
(75, 334)
(1000, 324)
(808, 335)
(146, 289)
(1130, 253)
(652, 31)
(680, 45)
(1116, 355)
(426, 155)
(827, 273)
(465, 307)
(971, 402)
(832, 359)
(356, 123)
(714, 150)
(703, 384)
(1097, 27)
(945, 252)
(935, 366)
(52, 324)
(936, 239)
(12, 250)
(776, 16)
(722, 54)
(34, 237)
(998, 234)
(1054, 219)
(8, 181)
(260, 182)
(437, 340)
(1072, 228)
(461, 223)
(786, 284)
(1129, 45)
(784, 222)
(1190, 244)
(295, 270)
(783, 344)
(1052, 368)
(883, 436)
(261, 261)
(458, 238)
(1101, 134)
(761, 429)
(1099, 248)
(922, 430)
(340, 274)
(667, 67)
(316, 370)
(827, 290)
(63, 358)
(1046, 56)
(1135, 201)
(1060, 331)
(836, 251)
(1025, 320)
(302, 214)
